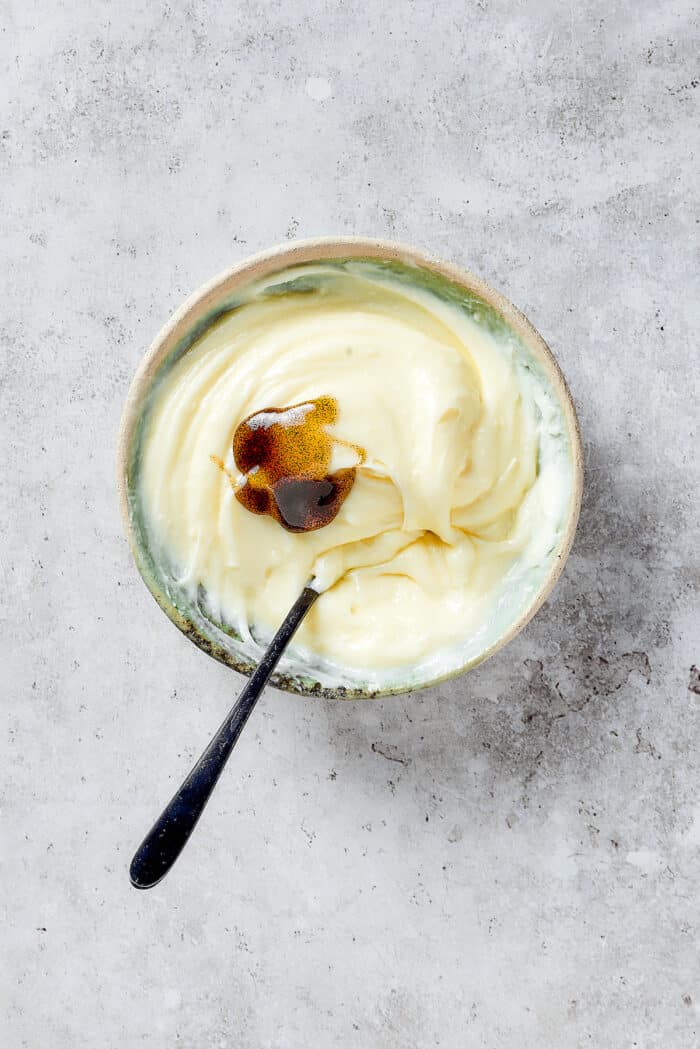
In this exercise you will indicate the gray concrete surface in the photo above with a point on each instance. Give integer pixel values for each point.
(510, 861)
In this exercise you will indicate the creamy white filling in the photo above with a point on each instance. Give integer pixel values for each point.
(454, 517)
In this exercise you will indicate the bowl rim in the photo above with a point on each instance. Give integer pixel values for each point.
(320, 249)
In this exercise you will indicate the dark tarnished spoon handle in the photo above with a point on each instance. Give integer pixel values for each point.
(171, 831)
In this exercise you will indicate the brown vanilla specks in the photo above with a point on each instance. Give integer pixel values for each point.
(285, 455)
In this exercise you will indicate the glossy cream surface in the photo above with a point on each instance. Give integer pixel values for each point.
(456, 511)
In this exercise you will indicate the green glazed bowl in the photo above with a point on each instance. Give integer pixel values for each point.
(222, 294)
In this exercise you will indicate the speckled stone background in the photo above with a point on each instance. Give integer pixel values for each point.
(510, 861)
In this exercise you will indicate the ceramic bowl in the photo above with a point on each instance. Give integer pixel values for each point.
(207, 305)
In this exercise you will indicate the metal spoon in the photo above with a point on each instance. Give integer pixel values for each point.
(170, 833)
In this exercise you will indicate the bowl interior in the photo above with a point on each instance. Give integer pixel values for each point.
(225, 293)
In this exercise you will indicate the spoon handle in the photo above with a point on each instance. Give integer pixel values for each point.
(169, 834)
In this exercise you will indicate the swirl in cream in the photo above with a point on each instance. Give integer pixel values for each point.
(456, 510)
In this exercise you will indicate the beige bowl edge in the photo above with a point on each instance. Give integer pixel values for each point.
(317, 249)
